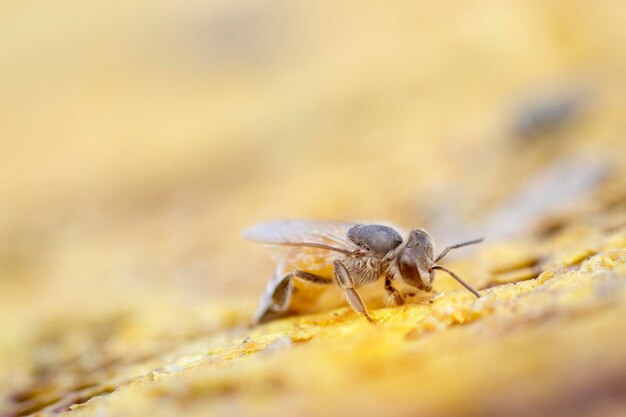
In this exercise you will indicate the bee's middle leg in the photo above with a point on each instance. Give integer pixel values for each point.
(315, 279)
(345, 281)
(398, 298)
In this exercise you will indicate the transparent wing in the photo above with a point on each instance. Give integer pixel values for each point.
(303, 244)
(319, 234)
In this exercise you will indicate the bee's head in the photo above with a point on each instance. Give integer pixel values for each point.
(415, 260)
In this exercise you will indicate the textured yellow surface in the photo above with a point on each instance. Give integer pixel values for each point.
(138, 138)
(553, 345)
(549, 345)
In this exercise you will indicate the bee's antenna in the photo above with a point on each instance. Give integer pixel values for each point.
(455, 276)
(458, 245)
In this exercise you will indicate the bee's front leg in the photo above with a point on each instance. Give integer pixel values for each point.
(345, 281)
(398, 298)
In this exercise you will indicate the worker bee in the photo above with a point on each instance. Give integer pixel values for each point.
(317, 255)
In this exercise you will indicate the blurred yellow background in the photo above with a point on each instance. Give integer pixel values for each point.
(137, 138)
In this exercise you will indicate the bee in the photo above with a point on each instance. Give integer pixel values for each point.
(317, 255)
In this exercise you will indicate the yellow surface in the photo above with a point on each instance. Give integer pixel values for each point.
(550, 345)
(138, 138)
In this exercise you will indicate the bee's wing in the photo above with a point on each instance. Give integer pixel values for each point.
(319, 234)
(307, 244)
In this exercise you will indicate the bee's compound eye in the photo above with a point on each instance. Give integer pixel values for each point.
(408, 268)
